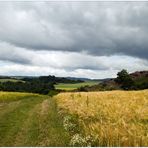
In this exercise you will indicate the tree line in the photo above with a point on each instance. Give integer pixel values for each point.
(41, 85)
(31, 87)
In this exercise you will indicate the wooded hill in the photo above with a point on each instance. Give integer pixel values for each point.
(51, 79)
(41, 85)
(124, 81)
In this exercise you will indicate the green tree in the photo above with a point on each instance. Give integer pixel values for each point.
(125, 80)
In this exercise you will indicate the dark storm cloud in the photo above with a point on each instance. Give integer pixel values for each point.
(97, 28)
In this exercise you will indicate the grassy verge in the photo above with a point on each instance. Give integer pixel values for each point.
(30, 120)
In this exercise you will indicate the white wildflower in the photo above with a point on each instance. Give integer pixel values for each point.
(77, 140)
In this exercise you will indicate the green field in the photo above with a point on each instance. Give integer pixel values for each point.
(64, 86)
(30, 120)
(10, 80)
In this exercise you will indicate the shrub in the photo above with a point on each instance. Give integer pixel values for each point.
(125, 80)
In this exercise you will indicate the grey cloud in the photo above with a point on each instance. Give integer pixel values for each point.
(97, 28)
(67, 60)
(13, 54)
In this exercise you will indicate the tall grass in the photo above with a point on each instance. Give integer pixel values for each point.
(112, 118)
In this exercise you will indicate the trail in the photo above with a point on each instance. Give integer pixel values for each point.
(32, 122)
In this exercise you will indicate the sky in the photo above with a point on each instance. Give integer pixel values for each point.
(77, 39)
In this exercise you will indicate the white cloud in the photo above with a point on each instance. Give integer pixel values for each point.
(94, 39)
(70, 64)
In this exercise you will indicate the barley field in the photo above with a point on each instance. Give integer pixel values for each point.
(110, 118)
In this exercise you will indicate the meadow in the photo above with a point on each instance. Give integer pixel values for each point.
(10, 80)
(111, 118)
(70, 86)
(30, 120)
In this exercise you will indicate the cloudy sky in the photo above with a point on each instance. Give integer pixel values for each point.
(80, 39)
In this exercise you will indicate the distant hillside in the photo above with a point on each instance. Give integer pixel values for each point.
(139, 78)
(102, 80)
(81, 79)
(41, 85)
(135, 76)
(87, 79)
(5, 77)
(139, 74)
(54, 78)
(9, 79)
(51, 79)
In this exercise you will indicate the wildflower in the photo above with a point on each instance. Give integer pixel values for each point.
(68, 124)
(78, 140)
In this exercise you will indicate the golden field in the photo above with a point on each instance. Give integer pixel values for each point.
(112, 118)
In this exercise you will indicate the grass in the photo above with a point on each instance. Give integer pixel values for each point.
(70, 86)
(6, 97)
(10, 80)
(111, 118)
(30, 120)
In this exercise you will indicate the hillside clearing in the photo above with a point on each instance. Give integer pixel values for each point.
(10, 80)
(30, 120)
(111, 118)
(64, 86)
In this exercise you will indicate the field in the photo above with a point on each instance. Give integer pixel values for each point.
(30, 120)
(64, 86)
(111, 118)
(10, 80)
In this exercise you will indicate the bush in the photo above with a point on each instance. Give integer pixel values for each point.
(124, 79)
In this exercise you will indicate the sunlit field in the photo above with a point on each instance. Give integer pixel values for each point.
(10, 80)
(71, 86)
(111, 118)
